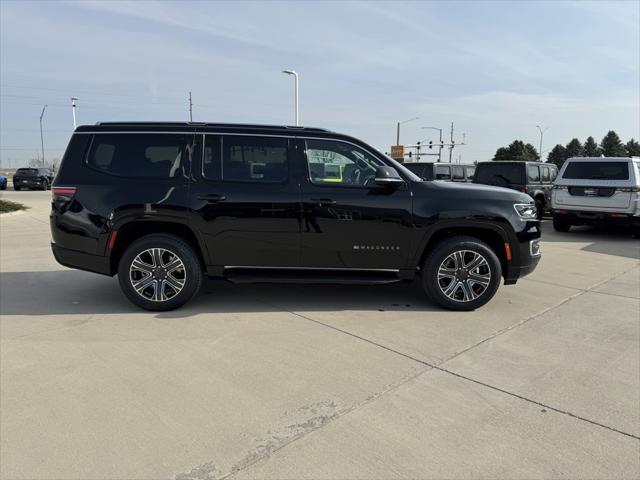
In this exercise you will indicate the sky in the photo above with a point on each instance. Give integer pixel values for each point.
(495, 69)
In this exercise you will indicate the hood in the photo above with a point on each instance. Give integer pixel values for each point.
(471, 191)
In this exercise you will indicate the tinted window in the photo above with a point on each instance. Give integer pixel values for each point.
(546, 176)
(499, 173)
(443, 172)
(141, 155)
(27, 171)
(597, 171)
(252, 159)
(212, 158)
(339, 163)
(554, 174)
(470, 172)
(533, 173)
(458, 173)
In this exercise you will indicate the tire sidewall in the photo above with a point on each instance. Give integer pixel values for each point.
(443, 250)
(192, 264)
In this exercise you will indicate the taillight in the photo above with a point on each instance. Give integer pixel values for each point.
(521, 189)
(63, 193)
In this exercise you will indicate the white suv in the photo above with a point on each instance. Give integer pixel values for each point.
(596, 190)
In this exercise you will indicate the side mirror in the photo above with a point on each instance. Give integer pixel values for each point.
(387, 176)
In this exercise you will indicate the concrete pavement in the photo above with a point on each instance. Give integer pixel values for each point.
(267, 381)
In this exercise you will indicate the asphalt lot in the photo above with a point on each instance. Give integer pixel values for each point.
(267, 381)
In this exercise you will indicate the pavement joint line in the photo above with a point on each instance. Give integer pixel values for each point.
(478, 382)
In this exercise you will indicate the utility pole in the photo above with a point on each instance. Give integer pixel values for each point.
(41, 136)
(73, 109)
(452, 143)
(190, 108)
(398, 128)
(541, 134)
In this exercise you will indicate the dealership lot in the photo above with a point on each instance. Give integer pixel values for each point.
(270, 381)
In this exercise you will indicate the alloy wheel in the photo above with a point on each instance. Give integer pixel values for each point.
(157, 274)
(464, 275)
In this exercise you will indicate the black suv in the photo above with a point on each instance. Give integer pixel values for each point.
(163, 204)
(40, 178)
(534, 178)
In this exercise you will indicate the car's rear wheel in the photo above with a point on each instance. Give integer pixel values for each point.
(561, 224)
(462, 273)
(3, 186)
(45, 185)
(17, 189)
(160, 272)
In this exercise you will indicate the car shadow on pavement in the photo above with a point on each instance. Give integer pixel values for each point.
(608, 240)
(69, 292)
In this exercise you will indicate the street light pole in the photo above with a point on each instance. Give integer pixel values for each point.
(541, 134)
(42, 136)
(295, 76)
(73, 109)
(439, 146)
(398, 128)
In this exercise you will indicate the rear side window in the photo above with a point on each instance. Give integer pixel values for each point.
(554, 174)
(597, 171)
(443, 172)
(533, 173)
(458, 173)
(141, 155)
(499, 173)
(470, 172)
(546, 177)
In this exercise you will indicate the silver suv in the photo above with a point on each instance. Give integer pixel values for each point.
(596, 190)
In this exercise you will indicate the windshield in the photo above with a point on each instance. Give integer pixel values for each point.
(597, 171)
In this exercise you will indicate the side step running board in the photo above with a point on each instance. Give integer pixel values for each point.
(311, 280)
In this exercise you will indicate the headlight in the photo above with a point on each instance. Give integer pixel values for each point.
(526, 210)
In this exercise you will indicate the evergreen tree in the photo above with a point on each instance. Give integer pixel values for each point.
(574, 148)
(517, 150)
(612, 146)
(633, 148)
(557, 155)
(591, 148)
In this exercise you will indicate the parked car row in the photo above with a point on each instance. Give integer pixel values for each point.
(585, 191)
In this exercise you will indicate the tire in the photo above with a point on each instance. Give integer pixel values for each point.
(4, 186)
(561, 224)
(539, 207)
(45, 185)
(467, 294)
(17, 189)
(161, 250)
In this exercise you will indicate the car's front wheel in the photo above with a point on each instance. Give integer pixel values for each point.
(160, 272)
(462, 273)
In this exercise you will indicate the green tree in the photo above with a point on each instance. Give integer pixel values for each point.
(517, 150)
(591, 148)
(612, 146)
(633, 148)
(574, 148)
(557, 155)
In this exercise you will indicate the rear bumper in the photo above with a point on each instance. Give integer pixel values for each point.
(81, 260)
(28, 183)
(583, 217)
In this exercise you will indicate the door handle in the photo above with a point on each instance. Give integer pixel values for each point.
(323, 202)
(212, 197)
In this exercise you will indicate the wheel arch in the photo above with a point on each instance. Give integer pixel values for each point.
(492, 235)
(130, 231)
